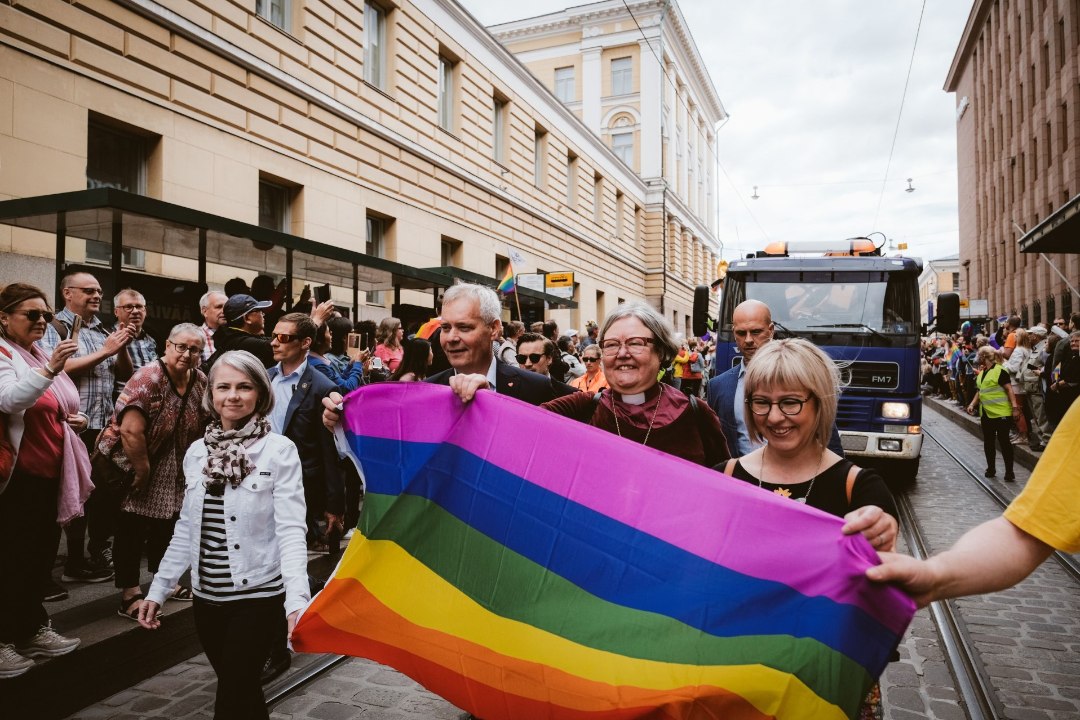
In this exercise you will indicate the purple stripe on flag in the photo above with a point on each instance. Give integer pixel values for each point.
(746, 530)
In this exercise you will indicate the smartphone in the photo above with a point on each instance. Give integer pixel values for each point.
(76, 326)
(376, 363)
(322, 293)
(353, 345)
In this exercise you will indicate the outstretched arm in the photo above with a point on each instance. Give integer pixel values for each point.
(990, 557)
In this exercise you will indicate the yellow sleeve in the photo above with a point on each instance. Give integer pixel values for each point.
(1049, 506)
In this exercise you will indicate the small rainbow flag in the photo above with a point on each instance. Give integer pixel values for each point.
(617, 583)
(507, 284)
(428, 329)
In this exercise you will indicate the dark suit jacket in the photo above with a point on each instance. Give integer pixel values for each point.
(721, 396)
(324, 485)
(227, 338)
(525, 385)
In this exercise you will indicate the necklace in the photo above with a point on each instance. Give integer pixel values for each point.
(784, 491)
(615, 412)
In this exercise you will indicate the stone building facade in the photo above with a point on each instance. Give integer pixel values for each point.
(399, 129)
(1017, 88)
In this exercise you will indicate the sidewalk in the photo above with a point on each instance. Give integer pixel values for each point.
(954, 413)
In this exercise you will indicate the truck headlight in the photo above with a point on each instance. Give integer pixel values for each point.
(895, 410)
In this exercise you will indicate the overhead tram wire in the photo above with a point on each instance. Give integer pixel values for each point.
(899, 115)
(675, 94)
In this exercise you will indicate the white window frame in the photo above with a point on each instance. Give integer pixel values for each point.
(566, 84)
(499, 114)
(540, 157)
(375, 45)
(446, 93)
(275, 12)
(622, 144)
(622, 76)
(375, 246)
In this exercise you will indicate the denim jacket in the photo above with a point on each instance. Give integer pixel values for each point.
(264, 523)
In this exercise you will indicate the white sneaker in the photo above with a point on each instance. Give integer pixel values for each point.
(48, 643)
(12, 664)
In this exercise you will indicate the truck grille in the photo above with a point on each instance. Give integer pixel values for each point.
(866, 375)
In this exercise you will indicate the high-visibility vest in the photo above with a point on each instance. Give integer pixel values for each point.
(992, 396)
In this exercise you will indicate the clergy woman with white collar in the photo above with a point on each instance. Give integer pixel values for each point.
(635, 343)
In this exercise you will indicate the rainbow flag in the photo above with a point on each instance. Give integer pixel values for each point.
(428, 329)
(525, 566)
(507, 284)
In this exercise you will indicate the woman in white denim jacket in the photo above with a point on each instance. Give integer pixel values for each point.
(241, 531)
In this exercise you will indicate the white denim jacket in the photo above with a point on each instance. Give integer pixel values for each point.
(264, 524)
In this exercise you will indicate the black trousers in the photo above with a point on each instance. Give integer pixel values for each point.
(997, 429)
(133, 533)
(27, 546)
(102, 511)
(236, 637)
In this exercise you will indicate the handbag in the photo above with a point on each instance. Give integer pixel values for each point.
(105, 471)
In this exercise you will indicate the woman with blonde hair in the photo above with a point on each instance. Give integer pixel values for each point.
(388, 343)
(997, 407)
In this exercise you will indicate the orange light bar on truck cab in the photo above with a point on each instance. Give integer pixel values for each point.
(855, 246)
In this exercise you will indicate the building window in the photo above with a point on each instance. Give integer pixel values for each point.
(498, 129)
(619, 222)
(273, 206)
(564, 84)
(115, 159)
(955, 282)
(274, 12)
(571, 179)
(598, 197)
(375, 246)
(622, 76)
(375, 46)
(446, 93)
(540, 157)
(1064, 125)
(622, 144)
(450, 253)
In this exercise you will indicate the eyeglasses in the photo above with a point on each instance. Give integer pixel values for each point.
(35, 315)
(634, 346)
(131, 308)
(88, 291)
(788, 405)
(590, 359)
(283, 338)
(186, 349)
(531, 357)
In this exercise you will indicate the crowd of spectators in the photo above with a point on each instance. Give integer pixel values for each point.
(1039, 365)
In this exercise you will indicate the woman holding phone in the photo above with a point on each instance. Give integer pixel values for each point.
(388, 347)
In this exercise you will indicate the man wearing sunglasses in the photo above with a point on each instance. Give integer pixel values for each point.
(243, 330)
(299, 389)
(101, 360)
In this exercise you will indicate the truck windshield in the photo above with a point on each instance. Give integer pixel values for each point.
(877, 308)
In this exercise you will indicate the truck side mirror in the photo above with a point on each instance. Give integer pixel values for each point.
(948, 313)
(701, 310)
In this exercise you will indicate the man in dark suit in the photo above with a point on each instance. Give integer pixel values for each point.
(298, 390)
(752, 326)
(470, 322)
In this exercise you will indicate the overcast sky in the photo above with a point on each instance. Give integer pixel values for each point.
(814, 91)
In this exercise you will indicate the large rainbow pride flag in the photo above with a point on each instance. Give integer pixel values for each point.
(525, 566)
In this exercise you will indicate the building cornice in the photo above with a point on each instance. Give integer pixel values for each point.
(975, 22)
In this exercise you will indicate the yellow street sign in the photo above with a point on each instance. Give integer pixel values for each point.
(560, 280)
(963, 302)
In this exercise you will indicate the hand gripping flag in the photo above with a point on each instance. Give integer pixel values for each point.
(525, 566)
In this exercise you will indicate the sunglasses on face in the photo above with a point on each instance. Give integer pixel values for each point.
(89, 291)
(283, 338)
(590, 359)
(35, 315)
(531, 357)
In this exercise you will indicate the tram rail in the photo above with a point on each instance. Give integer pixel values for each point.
(289, 683)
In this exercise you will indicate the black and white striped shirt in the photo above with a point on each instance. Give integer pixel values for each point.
(215, 580)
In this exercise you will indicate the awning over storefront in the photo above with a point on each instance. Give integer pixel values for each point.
(182, 244)
(532, 299)
(1059, 233)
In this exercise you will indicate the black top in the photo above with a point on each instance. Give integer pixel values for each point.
(525, 385)
(829, 492)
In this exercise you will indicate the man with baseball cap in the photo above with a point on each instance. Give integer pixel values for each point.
(243, 330)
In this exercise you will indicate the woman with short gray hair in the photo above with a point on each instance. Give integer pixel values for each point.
(635, 343)
(157, 416)
(241, 531)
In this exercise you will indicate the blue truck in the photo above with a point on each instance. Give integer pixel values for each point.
(862, 309)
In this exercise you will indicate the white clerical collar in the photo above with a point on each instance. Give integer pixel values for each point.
(634, 399)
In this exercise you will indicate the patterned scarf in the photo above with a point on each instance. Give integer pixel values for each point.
(226, 457)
